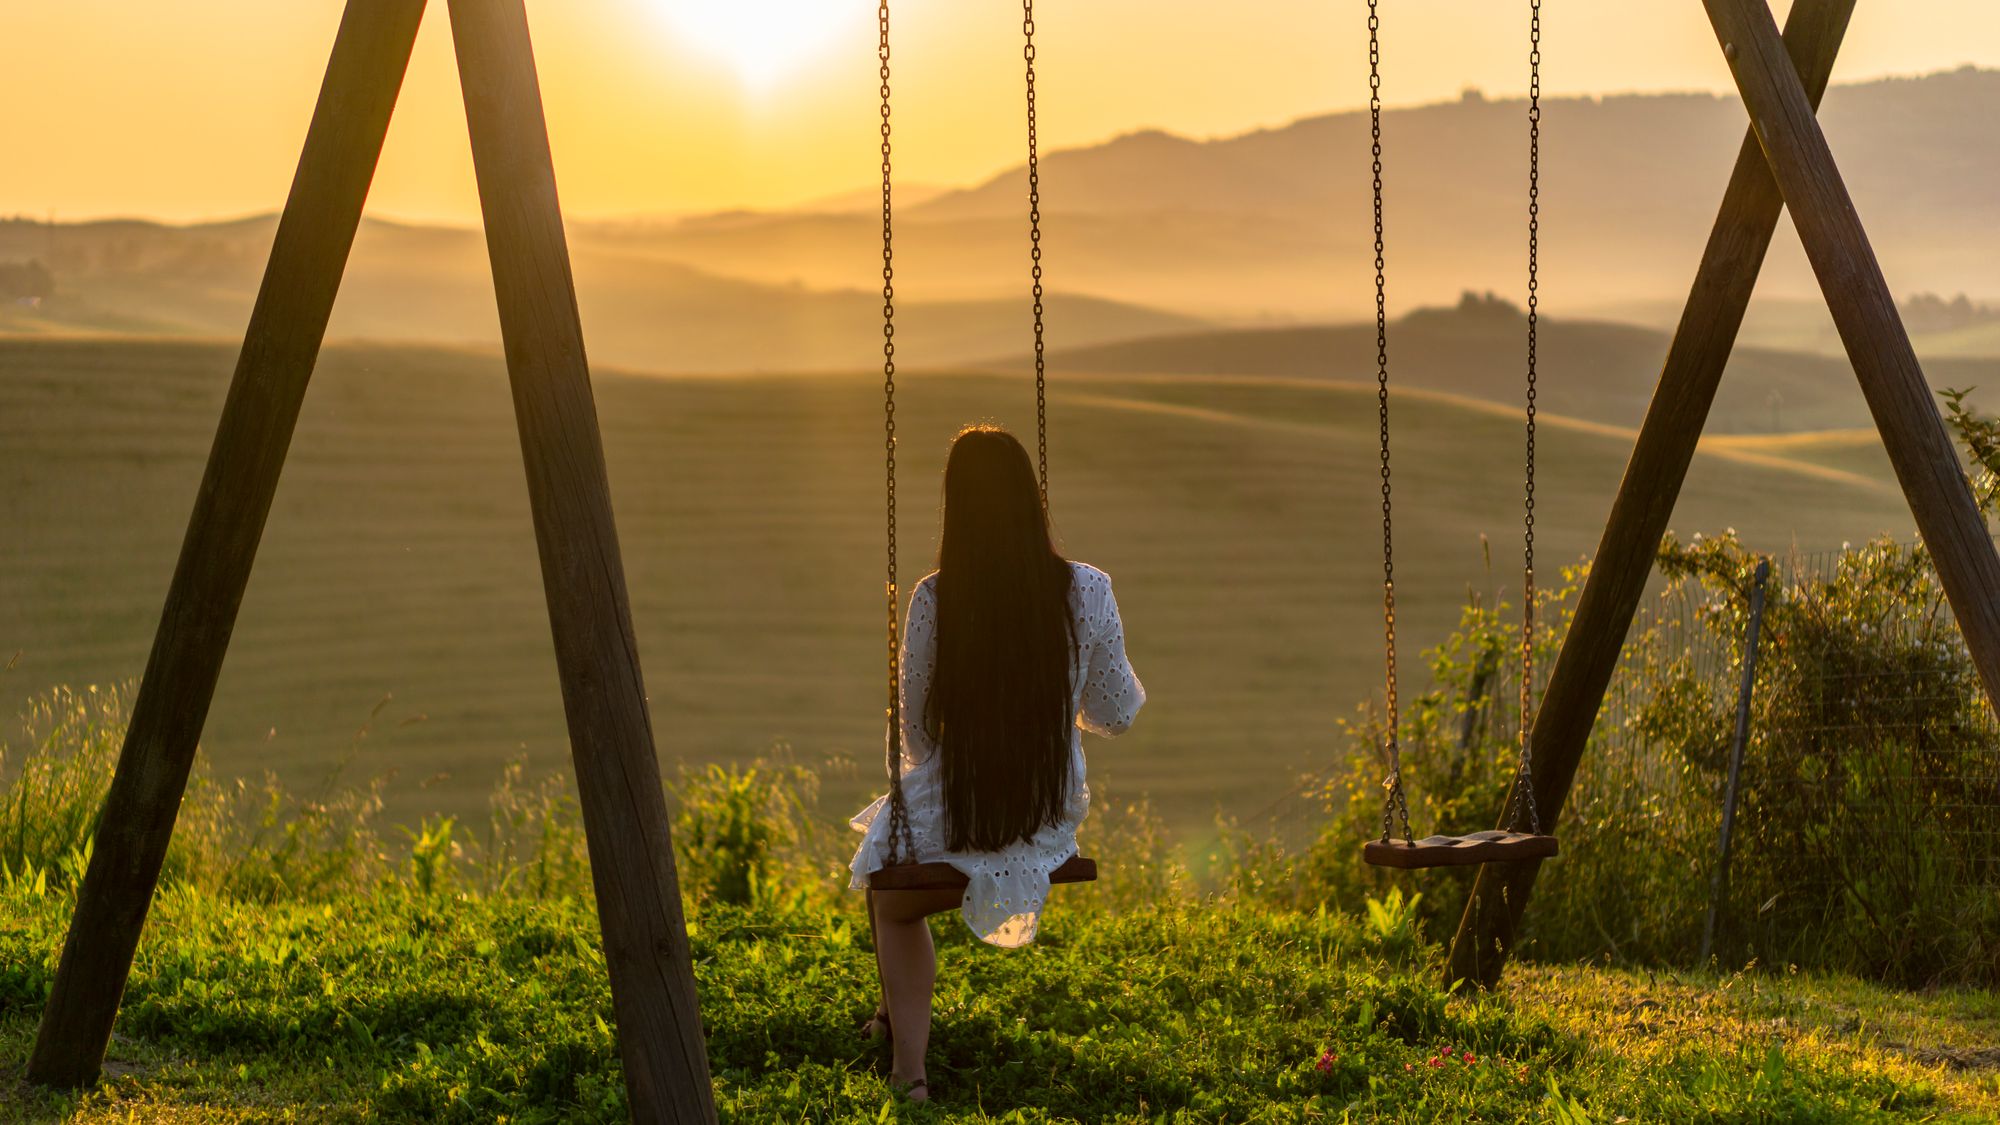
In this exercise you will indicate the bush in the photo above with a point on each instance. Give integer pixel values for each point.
(744, 835)
(1869, 788)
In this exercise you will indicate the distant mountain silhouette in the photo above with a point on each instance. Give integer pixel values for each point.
(1275, 223)
(1146, 235)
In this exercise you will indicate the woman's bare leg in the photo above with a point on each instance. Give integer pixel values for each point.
(878, 1026)
(908, 965)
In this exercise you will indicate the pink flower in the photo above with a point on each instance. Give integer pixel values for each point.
(1437, 1062)
(1407, 1068)
(1470, 1060)
(1326, 1061)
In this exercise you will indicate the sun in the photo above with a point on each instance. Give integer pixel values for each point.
(763, 41)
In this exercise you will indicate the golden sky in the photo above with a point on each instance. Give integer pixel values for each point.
(195, 108)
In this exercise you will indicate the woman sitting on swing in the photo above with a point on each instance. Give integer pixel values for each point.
(1008, 652)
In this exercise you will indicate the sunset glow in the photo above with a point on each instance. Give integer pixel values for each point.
(196, 110)
(763, 41)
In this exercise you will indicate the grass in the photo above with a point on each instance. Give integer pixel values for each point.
(299, 965)
(407, 1008)
(399, 559)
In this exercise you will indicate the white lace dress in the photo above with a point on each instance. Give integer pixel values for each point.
(1003, 904)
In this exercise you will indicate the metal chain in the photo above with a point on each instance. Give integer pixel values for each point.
(1035, 255)
(901, 838)
(1524, 782)
(1395, 802)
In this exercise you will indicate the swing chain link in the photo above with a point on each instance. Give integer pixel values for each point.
(1524, 782)
(1035, 256)
(901, 838)
(1395, 802)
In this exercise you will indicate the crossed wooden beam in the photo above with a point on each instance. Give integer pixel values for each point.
(1784, 163)
(611, 738)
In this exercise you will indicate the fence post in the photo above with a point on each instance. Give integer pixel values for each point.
(1719, 884)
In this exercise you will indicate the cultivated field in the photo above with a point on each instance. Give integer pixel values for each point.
(1239, 516)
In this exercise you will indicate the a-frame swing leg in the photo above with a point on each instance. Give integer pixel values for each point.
(315, 233)
(597, 655)
(618, 781)
(1751, 208)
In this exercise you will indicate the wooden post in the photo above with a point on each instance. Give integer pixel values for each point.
(370, 55)
(1904, 406)
(1666, 444)
(597, 657)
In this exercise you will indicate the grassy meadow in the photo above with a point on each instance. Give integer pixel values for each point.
(300, 965)
(408, 1009)
(1239, 516)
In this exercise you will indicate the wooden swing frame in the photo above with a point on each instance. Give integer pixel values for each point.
(1784, 163)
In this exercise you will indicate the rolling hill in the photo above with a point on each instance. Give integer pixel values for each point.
(432, 285)
(1237, 514)
(1594, 370)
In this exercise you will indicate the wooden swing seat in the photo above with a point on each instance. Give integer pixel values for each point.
(1491, 846)
(945, 877)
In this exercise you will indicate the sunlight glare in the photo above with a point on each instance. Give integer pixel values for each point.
(761, 40)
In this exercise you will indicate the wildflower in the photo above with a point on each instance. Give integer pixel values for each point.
(1326, 1061)
(1436, 1062)
(1470, 1059)
(1408, 1068)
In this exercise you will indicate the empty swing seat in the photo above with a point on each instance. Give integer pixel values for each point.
(1492, 846)
(945, 877)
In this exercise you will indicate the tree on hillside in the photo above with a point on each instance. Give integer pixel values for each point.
(1928, 312)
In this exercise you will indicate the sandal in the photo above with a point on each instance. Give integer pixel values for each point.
(911, 1088)
(876, 1028)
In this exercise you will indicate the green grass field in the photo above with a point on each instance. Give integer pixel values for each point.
(1238, 515)
(408, 1008)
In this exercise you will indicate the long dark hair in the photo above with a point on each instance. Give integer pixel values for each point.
(999, 707)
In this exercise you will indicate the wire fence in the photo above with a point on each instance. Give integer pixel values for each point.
(1869, 798)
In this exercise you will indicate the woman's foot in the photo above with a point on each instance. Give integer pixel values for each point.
(876, 1028)
(916, 1090)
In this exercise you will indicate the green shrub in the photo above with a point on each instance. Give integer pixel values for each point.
(1871, 780)
(744, 835)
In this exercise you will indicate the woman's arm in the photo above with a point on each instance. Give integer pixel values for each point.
(919, 661)
(1112, 693)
